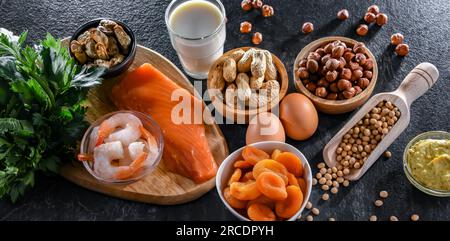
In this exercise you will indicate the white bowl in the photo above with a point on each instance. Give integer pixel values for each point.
(226, 169)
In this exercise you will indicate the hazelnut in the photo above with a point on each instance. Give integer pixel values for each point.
(370, 17)
(363, 83)
(362, 30)
(343, 14)
(343, 84)
(360, 58)
(307, 27)
(246, 5)
(382, 19)
(306, 81)
(257, 3)
(246, 27)
(267, 11)
(367, 74)
(331, 76)
(322, 83)
(337, 52)
(353, 66)
(303, 73)
(357, 74)
(332, 64)
(328, 48)
(402, 49)
(346, 74)
(349, 93)
(373, 9)
(325, 58)
(311, 87)
(314, 55)
(342, 63)
(257, 38)
(320, 51)
(302, 63)
(368, 65)
(321, 92)
(397, 39)
(332, 96)
(359, 47)
(348, 56)
(333, 87)
(312, 66)
(358, 90)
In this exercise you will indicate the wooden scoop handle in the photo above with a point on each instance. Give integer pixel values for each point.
(417, 82)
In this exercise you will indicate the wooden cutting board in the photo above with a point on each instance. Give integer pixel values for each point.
(160, 186)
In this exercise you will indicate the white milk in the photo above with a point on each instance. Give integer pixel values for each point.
(197, 31)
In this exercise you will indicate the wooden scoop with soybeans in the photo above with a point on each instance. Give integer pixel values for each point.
(377, 124)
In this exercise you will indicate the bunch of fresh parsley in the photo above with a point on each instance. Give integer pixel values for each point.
(42, 95)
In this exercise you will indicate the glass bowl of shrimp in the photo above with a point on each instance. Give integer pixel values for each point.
(122, 147)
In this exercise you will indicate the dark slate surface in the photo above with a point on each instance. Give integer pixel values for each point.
(425, 24)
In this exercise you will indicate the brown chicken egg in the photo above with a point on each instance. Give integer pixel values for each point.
(265, 126)
(299, 116)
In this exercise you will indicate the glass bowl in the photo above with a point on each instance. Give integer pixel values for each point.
(438, 135)
(148, 124)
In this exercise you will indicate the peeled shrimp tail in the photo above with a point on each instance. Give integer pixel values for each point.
(130, 170)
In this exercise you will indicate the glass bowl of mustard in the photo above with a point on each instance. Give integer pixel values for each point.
(426, 162)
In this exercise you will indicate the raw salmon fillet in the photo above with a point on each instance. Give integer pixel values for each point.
(186, 150)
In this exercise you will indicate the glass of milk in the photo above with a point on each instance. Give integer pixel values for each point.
(197, 32)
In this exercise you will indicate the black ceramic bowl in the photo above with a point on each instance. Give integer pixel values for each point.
(129, 58)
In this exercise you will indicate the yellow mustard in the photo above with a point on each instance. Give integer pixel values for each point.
(429, 162)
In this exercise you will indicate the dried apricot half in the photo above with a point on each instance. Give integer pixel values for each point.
(269, 165)
(275, 154)
(244, 190)
(292, 180)
(302, 185)
(235, 176)
(271, 185)
(254, 155)
(290, 206)
(242, 164)
(260, 212)
(235, 203)
(263, 200)
(247, 177)
(291, 162)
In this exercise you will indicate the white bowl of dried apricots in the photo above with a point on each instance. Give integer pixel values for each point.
(265, 181)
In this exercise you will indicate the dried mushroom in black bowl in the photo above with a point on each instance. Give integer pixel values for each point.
(104, 43)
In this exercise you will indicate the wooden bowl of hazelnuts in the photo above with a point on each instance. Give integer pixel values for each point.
(337, 74)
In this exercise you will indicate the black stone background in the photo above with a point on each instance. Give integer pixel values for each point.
(425, 24)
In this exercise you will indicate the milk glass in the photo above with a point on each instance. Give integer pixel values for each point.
(197, 33)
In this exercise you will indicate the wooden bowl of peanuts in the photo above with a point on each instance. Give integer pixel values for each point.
(246, 81)
(337, 74)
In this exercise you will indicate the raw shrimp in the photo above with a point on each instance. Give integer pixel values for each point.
(106, 153)
(129, 133)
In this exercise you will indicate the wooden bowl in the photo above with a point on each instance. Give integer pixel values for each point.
(334, 106)
(241, 116)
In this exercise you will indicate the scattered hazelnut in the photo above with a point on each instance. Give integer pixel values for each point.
(315, 211)
(373, 218)
(331, 219)
(246, 5)
(414, 217)
(373, 9)
(307, 28)
(362, 30)
(387, 154)
(246, 27)
(343, 14)
(402, 49)
(382, 19)
(257, 38)
(257, 3)
(267, 11)
(397, 38)
(369, 17)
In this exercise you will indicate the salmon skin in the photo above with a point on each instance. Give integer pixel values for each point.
(186, 150)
